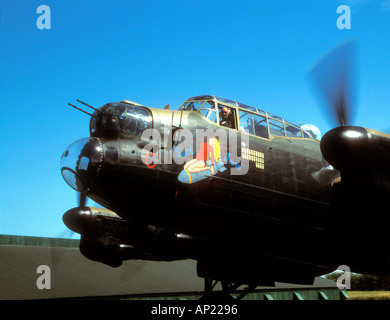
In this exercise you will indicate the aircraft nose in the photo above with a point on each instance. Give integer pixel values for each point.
(81, 162)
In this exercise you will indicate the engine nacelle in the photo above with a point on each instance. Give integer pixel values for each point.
(107, 238)
(106, 250)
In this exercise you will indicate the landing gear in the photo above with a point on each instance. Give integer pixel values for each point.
(227, 290)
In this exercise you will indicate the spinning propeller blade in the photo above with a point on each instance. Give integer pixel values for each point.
(82, 199)
(333, 75)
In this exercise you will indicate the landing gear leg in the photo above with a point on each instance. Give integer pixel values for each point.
(209, 294)
(209, 285)
(227, 289)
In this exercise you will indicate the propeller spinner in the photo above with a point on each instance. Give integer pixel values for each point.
(74, 218)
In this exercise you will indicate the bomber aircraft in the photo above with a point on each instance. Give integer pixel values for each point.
(253, 198)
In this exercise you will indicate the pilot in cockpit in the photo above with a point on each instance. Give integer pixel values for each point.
(226, 118)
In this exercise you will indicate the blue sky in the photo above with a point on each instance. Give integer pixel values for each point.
(158, 52)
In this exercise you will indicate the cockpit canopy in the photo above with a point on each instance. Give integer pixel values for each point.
(124, 117)
(244, 118)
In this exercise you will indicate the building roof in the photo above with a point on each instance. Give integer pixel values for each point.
(73, 275)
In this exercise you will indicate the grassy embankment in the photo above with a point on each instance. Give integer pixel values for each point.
(368, 295)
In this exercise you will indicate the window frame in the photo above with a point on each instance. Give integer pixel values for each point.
(290, 125)
(274, 121)
(253, 115)
(210, 109)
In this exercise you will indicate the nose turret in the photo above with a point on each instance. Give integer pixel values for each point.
(81, 162)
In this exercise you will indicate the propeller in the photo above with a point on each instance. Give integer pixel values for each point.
(82, 199)
(344, 147)
(56, 256)
(333, 75)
